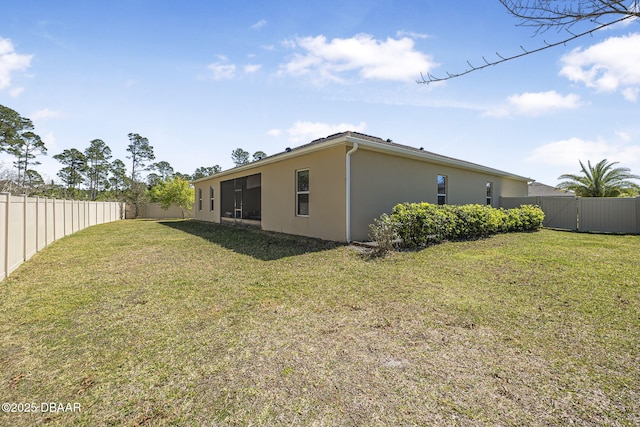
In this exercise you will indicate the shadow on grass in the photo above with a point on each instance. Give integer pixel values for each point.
(263, 245)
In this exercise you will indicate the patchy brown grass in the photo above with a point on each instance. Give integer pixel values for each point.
(148, 323)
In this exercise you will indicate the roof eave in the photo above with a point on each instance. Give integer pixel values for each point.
(426, 155)
(276, 158)
(372, 145)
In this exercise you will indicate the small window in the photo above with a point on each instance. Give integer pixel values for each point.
(442, 190)
(302, 192)
(489, 193)
(199, 199)
(211, 197)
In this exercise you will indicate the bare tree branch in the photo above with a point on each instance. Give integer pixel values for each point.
(546, 14)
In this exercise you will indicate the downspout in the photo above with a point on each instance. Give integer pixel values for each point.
(348, 192)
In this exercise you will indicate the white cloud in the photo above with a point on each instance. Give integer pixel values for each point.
(15, 92)
(625, 136)
(411, 34)
(274, 132)
(610, 66)
(46, 113)
(390, 59)
(261, 23)
(50, 141)
(568, 152)
(222, 71)
(10, 61)
(535, 104)
(303, 131)
(252, 68)
(631, 93)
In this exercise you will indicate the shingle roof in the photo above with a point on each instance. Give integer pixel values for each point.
(383, 144)
(540, 189)
(390, 143)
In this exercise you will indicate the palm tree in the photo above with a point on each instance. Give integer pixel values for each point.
(601, 180)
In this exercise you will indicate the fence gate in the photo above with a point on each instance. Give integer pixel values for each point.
(597, 214)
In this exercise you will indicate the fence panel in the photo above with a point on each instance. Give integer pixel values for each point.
(50, 221)
(68, 217)
(587, 214)
(41, 207)
(58, 219)
(15, 233)
(560, 212)
(92, 214)
(29, 224)
(609, 215)
(516, 202)
(153, 210)
(100, 212)
(4, 210)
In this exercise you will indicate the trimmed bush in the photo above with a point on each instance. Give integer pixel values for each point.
(418, 224)
(531, 216)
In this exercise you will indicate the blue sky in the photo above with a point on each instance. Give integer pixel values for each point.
(201, 78)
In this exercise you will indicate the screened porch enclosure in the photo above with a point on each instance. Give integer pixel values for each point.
(240, 199)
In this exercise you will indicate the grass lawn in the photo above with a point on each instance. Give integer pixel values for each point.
(152, 323)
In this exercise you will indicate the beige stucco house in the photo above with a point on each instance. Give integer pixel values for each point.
(334, 187)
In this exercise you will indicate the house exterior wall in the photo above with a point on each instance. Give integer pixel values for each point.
(327, 203)
(379, 181)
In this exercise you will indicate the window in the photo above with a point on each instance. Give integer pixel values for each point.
(302, 192)
(199, 199)
(442, 190)
(489, 193)
(211, 197)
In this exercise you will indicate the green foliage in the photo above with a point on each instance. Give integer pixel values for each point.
(141, 153)
(205, 171)
(174, 191)
(98, 155)
(259, 155)
(240, 157)
(601, 180)
(75, 166)
(421, 223)
(11, 125)
(18, 139)
(418, 224)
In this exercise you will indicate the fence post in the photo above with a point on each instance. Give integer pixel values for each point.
(24, 227)
(578, 212)
(638, 215)
(37, 222)
(7, 197)
(46, 222)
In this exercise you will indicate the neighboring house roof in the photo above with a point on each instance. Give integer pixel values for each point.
(372, 143)
(540, 189)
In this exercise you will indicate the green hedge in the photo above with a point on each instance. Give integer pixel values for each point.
(417, 224)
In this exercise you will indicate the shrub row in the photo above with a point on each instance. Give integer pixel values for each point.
(418, 224)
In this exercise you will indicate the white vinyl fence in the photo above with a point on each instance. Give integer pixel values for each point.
(153, 210)
(29, 224)
(588, 214)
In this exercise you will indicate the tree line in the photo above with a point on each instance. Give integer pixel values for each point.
(92, 173)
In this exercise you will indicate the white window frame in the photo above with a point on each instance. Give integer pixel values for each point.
(489, 187)
(438, 193)
(212, 193)
(199, 199)
(302, 192)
